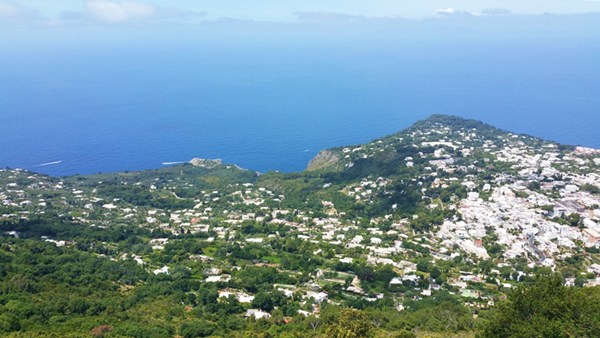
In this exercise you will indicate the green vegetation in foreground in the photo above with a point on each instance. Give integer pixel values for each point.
(50, 291)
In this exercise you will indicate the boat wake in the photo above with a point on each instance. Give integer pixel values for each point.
(171, 163)
(49, 163)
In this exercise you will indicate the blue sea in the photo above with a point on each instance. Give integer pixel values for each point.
(90, 108)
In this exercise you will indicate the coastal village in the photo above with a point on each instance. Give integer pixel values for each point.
(491, 208)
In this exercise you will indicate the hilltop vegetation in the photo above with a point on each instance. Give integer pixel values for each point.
(441, 229)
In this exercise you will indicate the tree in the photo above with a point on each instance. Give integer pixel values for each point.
(593, 189)
(263, 301)
(197, 328)
(547, 308)
(351, 324)
(435, 272)
(423, 265)
(574, 219)
(405, 334)
(9, 322)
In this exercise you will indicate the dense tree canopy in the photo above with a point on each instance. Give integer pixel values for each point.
(547, 308)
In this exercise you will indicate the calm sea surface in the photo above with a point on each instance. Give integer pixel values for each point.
(263, 107)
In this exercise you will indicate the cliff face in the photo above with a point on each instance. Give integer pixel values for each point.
(324, 159)
(205, 163)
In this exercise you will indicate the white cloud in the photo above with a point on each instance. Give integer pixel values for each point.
(174, 13)
(451, 12)
(496, 11)
(327, 17)
(118, 12)
(12, 11)
(8, 10)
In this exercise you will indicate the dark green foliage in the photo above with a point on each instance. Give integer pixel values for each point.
(547, 308)
(445, 317)
(138, 330)
(573, 219)
(405, 334)
(593, 189)
(46, 285)
(456, 122)
(268, 300)
(139, 196)
(63, 228)
(197, 328)
(351, 324)
(415, 247)
(253, 278)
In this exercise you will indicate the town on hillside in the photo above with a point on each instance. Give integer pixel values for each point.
(448, 211)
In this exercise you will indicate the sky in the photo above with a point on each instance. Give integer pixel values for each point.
(87, 48)
(48, 13)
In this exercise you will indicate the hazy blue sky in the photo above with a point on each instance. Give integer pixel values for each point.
(49, 12)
